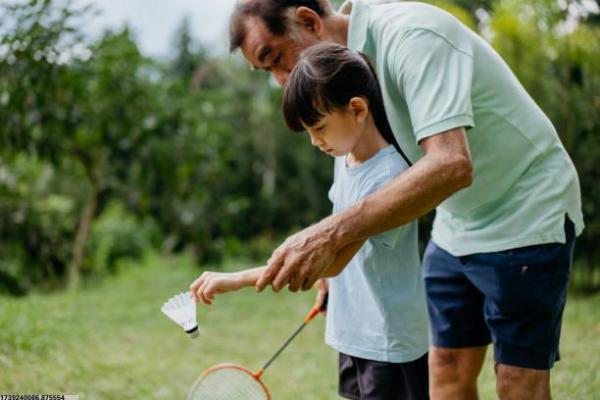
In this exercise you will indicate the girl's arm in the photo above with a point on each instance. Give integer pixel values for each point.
(212, 283)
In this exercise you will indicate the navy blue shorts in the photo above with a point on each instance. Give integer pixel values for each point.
(362, 379)
(513, 298)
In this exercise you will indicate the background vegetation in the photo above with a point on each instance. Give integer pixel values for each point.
(105, 153)
(121, 174)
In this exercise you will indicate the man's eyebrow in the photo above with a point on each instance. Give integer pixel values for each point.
(263, 53)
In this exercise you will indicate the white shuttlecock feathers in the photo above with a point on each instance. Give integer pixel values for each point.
(181, 308)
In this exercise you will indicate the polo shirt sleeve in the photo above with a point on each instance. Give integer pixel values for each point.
(434, 77)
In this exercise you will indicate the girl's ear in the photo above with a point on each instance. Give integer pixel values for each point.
(359, 108)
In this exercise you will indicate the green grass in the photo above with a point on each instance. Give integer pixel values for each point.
(110, 341)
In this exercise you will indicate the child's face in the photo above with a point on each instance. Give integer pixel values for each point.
(337, 132)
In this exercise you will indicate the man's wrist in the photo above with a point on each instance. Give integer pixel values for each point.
(339, 230)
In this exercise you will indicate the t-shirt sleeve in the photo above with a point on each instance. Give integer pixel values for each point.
(434, 76)
(330, 193)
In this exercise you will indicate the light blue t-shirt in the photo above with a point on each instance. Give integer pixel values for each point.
(376, 306)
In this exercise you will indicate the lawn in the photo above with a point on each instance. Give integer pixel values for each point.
(110, 341)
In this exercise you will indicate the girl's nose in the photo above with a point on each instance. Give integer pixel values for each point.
(314, 140)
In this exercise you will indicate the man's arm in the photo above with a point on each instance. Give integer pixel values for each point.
(445, 169)
(211, 283)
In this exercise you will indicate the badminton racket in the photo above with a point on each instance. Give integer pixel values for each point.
(235, 382)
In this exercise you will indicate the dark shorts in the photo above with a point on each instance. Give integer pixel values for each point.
(362, 379)
(513, 298)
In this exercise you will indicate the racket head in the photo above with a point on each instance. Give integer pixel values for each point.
(228, 382)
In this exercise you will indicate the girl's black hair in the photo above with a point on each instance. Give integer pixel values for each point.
(325, 78)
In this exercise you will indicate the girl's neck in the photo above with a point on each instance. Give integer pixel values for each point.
(369, 144)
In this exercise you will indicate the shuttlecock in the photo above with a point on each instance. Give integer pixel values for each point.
(181, 308)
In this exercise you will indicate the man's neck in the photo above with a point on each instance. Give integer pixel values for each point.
(336, 28)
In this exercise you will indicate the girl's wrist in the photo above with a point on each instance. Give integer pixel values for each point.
(248, 277)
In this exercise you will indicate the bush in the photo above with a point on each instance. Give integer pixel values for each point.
(117, 234)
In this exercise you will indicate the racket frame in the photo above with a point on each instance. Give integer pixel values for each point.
(254, 375)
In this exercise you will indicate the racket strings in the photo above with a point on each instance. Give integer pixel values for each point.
(228, 384)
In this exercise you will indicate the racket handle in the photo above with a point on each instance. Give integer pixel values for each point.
(325, 302)
(311, 314)
(316, 309)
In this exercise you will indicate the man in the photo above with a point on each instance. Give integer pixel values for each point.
(484, 156)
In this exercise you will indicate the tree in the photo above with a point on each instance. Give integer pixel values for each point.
(69, 105)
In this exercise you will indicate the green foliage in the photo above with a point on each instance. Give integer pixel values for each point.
(117, 235)
(462, 14)
(560, 67)
(37, 215)
(104, 152)
(167, 141)
(72, 109)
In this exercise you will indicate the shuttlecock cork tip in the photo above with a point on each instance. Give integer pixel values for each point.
(193, 332)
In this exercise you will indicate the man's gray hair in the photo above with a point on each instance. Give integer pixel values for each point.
(277, 15)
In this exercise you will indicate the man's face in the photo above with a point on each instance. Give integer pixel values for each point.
(275, 54)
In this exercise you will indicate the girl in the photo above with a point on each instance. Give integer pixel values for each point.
(376, 316)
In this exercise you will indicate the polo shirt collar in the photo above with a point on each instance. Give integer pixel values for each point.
(359, 22)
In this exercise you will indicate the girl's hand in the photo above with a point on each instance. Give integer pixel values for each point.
(211, 283)
(322, 287)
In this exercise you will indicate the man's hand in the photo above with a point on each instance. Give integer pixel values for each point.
(300, 260)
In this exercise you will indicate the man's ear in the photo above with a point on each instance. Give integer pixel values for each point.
(309, 20)
(359, 108)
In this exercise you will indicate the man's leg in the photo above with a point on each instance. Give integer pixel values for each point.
(459, 334)
(525, 293)
(453, 372)
(517, 383)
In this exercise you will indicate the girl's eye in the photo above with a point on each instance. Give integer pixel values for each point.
(277, 59)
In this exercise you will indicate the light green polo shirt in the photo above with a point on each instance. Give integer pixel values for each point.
(436, 75)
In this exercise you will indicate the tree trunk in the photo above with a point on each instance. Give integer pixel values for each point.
(83, 231)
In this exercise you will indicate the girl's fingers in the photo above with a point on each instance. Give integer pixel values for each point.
(201, 295)
(209, 291)
(208, 285)
(197, 284)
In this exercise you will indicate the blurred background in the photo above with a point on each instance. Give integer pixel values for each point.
(135, 152)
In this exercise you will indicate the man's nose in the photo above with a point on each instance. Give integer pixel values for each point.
(281, 76)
